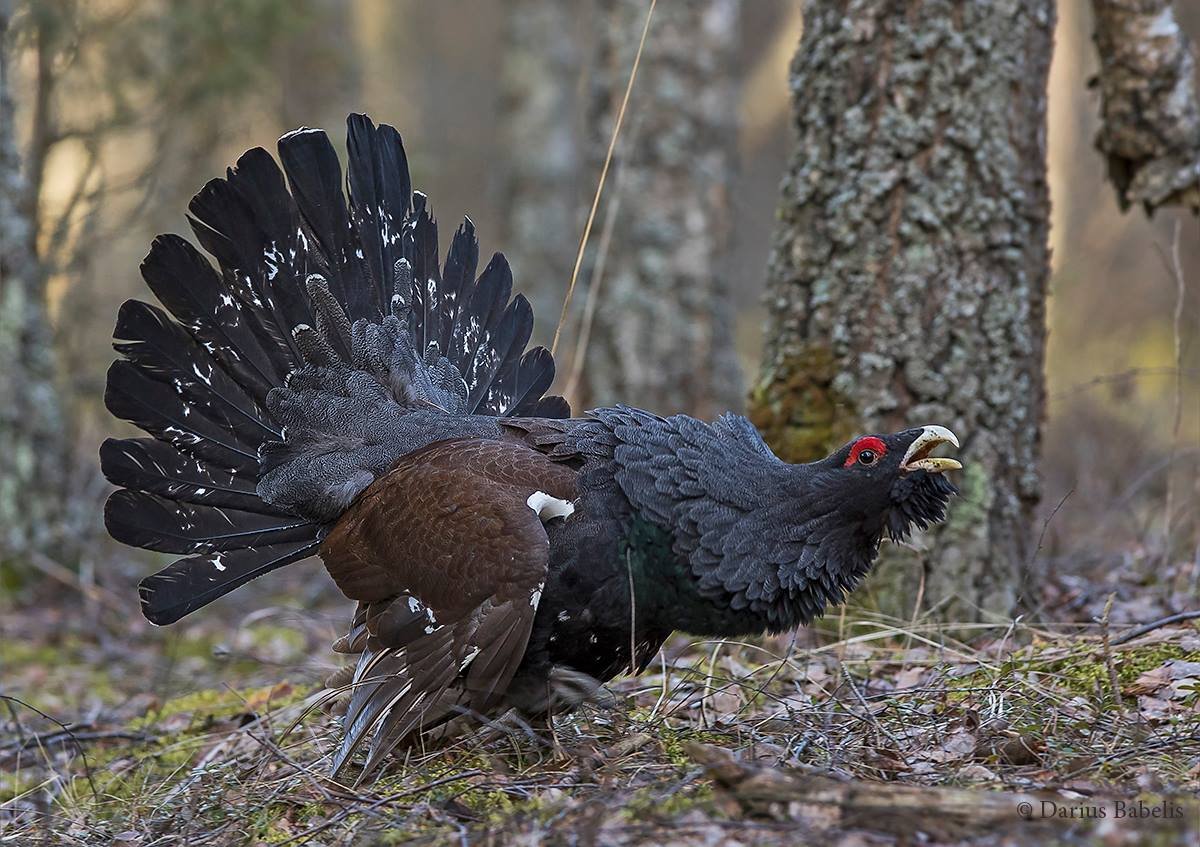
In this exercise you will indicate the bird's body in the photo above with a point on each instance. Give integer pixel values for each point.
(336, 390)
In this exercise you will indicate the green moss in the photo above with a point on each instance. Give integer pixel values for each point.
(1086, 672)
(279, 823)
(653, 802)
(15, 784)
(672, 741)
(209, 703)
(68, 657)
(496, 804)
(1082, 673)
(796, 408)
(49, 653)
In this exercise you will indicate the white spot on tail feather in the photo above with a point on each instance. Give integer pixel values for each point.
(304, 130)
(548, 507)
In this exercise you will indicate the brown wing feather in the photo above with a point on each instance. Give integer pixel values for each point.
(447, 561)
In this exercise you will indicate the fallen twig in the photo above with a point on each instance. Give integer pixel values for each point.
(87, 768)
(826, 802)
(1139, 631)
(73, 736)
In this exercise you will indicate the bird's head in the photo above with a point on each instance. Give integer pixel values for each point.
(873, 487)
(891, 482)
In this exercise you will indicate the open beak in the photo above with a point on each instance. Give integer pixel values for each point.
(918, 459)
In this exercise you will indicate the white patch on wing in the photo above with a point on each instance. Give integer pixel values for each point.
(536, 596)
(548, 507)
(467, 659)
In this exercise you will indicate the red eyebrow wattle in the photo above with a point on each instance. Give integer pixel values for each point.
(869, 442)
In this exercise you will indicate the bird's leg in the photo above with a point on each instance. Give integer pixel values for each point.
(544, 725)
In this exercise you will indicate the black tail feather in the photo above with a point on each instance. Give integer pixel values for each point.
(380, 202)
(170, 526)
(250, 224)
(189, 584)
(315, 177)
(298, 265)
(530, 380)
(133, 395)
(462, 261)
(146, 464)
(163, 350)
(419, 242)
(196, 295)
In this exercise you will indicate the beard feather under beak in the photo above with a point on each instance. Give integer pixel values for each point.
(917, 457)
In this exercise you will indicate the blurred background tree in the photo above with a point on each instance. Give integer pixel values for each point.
(544, 132)
(506, 109)
(121, 106)
(32, 431)
(1150, 134)
(662, 317)
(656, 328)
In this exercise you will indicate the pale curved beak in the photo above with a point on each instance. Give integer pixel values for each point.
(918, 459)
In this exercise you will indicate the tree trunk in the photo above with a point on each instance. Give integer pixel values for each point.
(31, 420)
(544, 65)
(907, 283)
(1150, 133)
(662, 335)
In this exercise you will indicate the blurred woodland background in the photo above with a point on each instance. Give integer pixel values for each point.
(118, 111)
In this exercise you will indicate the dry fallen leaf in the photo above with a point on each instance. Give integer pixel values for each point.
(1151, 680)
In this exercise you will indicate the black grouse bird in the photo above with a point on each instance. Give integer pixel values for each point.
(330, 389)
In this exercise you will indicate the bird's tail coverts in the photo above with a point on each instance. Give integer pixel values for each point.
(327, 342)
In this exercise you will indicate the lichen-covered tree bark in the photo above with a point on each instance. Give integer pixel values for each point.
(907, 283)
(663, 332)
(1150, 133)
(31, 423)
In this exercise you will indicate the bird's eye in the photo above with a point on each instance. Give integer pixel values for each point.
(866, 451)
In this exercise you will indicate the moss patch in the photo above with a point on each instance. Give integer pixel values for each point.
(797, 409)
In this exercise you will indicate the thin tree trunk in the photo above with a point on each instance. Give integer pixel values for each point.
(663, 332)
(32, 502)
(908, 279)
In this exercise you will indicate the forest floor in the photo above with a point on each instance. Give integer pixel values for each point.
(864, 731)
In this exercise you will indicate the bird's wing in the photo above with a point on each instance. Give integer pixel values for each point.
(448, 556)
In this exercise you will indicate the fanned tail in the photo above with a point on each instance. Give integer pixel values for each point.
(345, 304)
